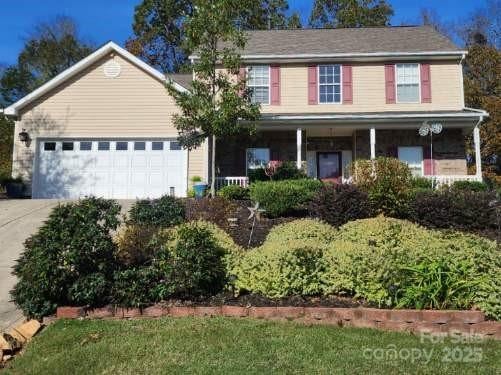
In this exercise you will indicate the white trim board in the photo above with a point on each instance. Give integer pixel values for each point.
(13, 109)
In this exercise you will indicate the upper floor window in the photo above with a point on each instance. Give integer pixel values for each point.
(329, 83)
(259, 83)
(407, 83)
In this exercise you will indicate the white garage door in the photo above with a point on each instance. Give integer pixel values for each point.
(122, 169)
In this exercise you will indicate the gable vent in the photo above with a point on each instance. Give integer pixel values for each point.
(112, 69)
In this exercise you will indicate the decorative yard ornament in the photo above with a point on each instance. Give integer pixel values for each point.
(255, 215)
(272, 167)
(424, 130)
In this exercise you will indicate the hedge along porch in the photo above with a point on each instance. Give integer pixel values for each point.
(325, 145)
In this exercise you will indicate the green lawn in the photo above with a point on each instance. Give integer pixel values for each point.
(229, 346)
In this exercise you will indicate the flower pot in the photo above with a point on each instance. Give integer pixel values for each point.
(15, 189)
(200, 188)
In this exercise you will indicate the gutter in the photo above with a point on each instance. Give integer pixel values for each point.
(348, 55)
(375, 116)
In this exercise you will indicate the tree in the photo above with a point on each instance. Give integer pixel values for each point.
(52, 47)
(263, 14)
(159, 35)
(350, 13)
(294, 21)
(218, 103)
(482, 82)
(6, 142)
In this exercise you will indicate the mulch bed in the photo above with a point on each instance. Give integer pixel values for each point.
(248, 300)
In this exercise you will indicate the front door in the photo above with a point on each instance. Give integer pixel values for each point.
(329, 165)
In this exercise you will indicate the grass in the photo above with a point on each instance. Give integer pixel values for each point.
(231, 346)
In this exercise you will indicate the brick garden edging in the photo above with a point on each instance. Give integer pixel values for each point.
(415, 321)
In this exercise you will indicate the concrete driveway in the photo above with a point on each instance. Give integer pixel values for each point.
(19, 218)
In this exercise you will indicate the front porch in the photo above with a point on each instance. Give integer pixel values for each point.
(325, 149)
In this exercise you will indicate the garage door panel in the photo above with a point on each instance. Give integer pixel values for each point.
(100, 169)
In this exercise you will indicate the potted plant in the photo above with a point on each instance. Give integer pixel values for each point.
(15, 187)
(199, 187)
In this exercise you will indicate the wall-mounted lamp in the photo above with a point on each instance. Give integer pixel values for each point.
(24, 137)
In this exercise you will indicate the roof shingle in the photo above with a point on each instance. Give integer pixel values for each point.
(347, 40)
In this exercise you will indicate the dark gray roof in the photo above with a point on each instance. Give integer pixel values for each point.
(348, 40)
(183, 79)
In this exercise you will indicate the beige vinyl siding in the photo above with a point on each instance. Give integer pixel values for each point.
(135, 104)
(368, 91)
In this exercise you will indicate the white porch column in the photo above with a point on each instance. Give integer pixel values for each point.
(373, 143)
(478, 156)
(299, 142)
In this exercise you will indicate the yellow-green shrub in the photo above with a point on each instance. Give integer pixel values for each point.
(282, 268)
(394, 263)
(302, 229)
(290, 262)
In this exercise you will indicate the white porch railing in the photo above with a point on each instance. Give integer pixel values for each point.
(242, 181)
(449, 180)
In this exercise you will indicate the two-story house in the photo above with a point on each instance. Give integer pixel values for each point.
(328, 97)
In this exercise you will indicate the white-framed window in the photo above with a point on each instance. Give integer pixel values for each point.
(257, 157)
(413, 156)
(407, 81)
(258, 80)
(329, 84)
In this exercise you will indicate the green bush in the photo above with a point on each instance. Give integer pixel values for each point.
(290, 262)
(193, 259)
(470, 186)
(421, 183)
(74, 243)
(90, 290)
(338, 204)
(234, 192)
(287, 170)
(165, 211)
(136, 244)
(387, 181)
(138, 286)
(455, 209)
(279, 198)
(302, 229)
(283, 268)
(393, 262)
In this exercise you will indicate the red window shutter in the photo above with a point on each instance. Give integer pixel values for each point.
(241, 78)
(312, 85)
(389, 76)
(275, 84)
(425, 83)
(428, 162)
(347, 84)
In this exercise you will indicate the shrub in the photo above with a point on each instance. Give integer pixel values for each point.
(163, 212)
(393, 262)
(193, 259)
(257, 174)
(456, 209)
(216, 210)
(290, 262)
(138, 286)
(90, 290)
(338, 204)
(283, 268)
(74, 242)
(302, 229)
(136, 244)
(387, 181)
(421, 183)
(470, 186)
(234, 192)
(288, 171)
(279, 198)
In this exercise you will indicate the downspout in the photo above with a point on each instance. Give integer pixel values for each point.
(461, 78)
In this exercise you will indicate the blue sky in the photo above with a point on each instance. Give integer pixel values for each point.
(103, 20)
